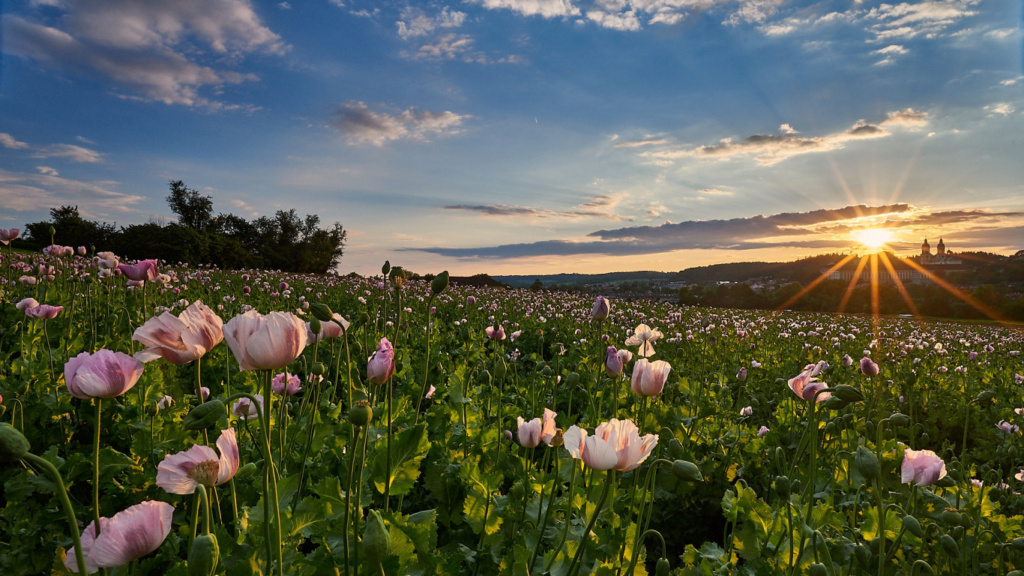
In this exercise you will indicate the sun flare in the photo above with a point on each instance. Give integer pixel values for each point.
(873, 238)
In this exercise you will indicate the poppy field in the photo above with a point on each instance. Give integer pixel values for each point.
(160, 419)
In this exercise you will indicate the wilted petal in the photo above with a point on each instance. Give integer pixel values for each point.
(132, 533)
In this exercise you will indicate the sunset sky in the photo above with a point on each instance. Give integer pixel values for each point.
(528, 136)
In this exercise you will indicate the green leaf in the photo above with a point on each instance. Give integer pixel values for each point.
(407, 451)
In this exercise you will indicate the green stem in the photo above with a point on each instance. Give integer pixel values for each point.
(575, 565)
(568, 517)
(96, 467)
(348, 493)
(205, 500)
(69, 511)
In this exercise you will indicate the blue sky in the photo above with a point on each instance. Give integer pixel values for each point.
(528, 136)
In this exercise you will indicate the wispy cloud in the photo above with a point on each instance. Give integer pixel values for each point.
(599, 207)
(770, 149)
(72, 152)
(818, 229)
(148, 50)
(1000, 109)
(543, 8)
(27, 192)
(361, 125)
(415, 23)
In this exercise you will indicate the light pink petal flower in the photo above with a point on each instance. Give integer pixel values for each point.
(180, 473)
(229, 459)
(104, 374)
(529, 432)
(549, 430)
(132, 533)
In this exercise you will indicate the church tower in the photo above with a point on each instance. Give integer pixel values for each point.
(942, 247)
(926, 251)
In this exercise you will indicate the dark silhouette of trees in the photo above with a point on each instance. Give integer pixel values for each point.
(285, 241)
(194, 210)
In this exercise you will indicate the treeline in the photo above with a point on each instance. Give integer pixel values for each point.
(282, 242)
(1003, 301)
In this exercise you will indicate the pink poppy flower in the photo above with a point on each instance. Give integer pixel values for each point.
(180, 339)
(245, 410)
(602, 307)
(130, 534)
(922, 467)
(649, 377)
(103, 374)
(180, 473)
(644, 337)
(143, 271)
(265, 342)
(381, 365)
(286, 384)
(615, 444)
(7, 235)
(496, 334)
(805, 385)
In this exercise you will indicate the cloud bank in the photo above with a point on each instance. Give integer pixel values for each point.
(361, 125)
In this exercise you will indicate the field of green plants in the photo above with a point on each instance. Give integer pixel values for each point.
(170, 420)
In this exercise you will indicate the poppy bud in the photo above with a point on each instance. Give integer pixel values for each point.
(360, 414)
(949, 545)
(245, 471)
(687, 471)
(662, 568)
(315, 326)
(204, 416)
(203, 556)
(913, 526)
(500, 368)
(321, 312)
(386, 267)
(318, 369)
(863, 555)
(1017, 543)
(572, 379)
(985, 396)
(13, 444)
(782, 486)
(439, 283)
(900, 419)
(818, 569)
(848, 393)
(376, 539)
(866, 463)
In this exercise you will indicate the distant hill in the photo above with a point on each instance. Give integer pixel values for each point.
(803, 270)
(554, 280)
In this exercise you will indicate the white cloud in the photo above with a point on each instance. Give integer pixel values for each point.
(448, 47)
(907, 20)
(892, 49)
(625, 21)
(415, 22)
(770, 149)
(543, 8)
(714, 192)
(46, 170)
(152, 50)
(25, 192)
(9, 142)
(361, 125)
(72, 152)
(1001, 109)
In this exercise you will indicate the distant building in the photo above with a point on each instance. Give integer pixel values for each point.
(906, 270)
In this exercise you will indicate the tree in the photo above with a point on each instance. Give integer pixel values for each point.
(194, 210)
(70, 229)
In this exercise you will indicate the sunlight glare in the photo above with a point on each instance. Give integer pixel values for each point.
(873, 238)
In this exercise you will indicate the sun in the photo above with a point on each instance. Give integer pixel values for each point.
(873, 238)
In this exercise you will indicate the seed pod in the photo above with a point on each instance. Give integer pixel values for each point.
(203, 556)
(687, 471)
(204, 416)
(439, 283)
(386, 267)
(360, 414)
(13, 444)
(663, 567)
(818, 569)
(318, 369)
(866, 463)
(913, 526)
(321, 312)
(572, 379)
(951, 517)
(376, 539)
